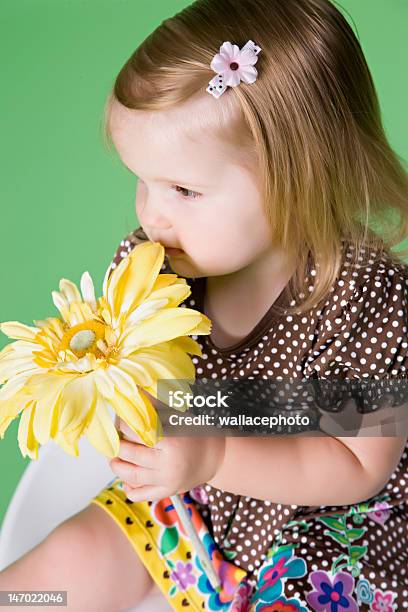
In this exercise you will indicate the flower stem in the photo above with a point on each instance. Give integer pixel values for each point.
(199, 546)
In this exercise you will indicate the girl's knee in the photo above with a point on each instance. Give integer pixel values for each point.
(92, 544)
(89, 557)
(72, 543)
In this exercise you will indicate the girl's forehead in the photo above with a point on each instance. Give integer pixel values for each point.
(151, 134)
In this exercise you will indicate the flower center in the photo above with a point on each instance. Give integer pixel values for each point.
(82, 340)
(234, 66)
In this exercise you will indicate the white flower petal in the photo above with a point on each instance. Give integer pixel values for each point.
(232, 78)
(59, 300)
(26, 440)
(69, 290)
(20, 348)
(227, 50)
(235, 53)
(87, 289)
(248, 74)
(14, 366)
(101, 431)
(104, 383)
(247, 58)
(18, 381)
(82, 365)
(124, 383)
(219, 64)
(145, 310)
(138, 371)
(15, 329)
(77, 403)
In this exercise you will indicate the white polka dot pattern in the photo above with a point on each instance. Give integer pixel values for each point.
(360, 332)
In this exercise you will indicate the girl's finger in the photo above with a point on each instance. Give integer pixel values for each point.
(133, 475)
(146, 493)
(139, 454)
(126, 432)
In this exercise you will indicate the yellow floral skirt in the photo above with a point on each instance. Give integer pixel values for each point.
(319, 563)
(164, 547)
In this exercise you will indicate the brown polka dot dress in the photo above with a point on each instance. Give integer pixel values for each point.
(355, 557)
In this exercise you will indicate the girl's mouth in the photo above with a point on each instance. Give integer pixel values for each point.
(171, 251)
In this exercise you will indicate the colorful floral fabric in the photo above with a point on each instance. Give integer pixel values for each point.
(333, 576)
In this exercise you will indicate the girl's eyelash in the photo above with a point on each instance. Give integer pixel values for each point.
(180, 189)
(177, 188)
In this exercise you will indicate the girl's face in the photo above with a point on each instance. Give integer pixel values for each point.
(191, 194)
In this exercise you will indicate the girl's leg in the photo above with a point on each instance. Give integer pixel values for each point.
(89, 557)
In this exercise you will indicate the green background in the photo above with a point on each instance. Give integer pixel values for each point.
(67, 202)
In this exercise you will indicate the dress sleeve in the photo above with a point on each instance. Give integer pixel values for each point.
(360, 342)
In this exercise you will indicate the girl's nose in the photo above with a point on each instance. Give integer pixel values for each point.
(149, 209)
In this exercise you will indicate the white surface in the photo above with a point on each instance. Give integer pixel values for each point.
(51, 489)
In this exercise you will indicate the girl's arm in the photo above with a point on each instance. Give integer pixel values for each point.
(308, 471)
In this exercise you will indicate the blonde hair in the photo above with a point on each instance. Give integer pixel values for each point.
(311, 121)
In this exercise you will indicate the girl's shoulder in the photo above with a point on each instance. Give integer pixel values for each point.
(376, 276)
(361, 331)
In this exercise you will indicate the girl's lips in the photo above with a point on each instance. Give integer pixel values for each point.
(171, 251)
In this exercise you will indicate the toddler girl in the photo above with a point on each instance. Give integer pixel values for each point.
(254, 129)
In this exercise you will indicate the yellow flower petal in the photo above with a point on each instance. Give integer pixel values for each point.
(187, 344)
(137, 371)
(15, 384)
(165, 325)
(175, 294)
(7, 350)
(164, 387)
(78, 312)
(14, 365)
(77, 400)
(104, 383)
(14, 329)
(47, 389)
(165, 361)
(68, 441)
(122, 381)
(203, 327)
(26, 439)
(132, 282)
(132, 411)
(10, 409)
(142, 312)
(68, 438)
(151, 431)
(165, 280)
(101, 431)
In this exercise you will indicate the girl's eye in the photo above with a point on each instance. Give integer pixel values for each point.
(186, 192)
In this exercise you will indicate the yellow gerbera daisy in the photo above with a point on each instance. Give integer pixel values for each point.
(64, 373)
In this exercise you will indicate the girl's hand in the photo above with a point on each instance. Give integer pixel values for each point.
(174, 465)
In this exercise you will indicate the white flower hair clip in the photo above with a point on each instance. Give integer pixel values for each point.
(233, 65)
